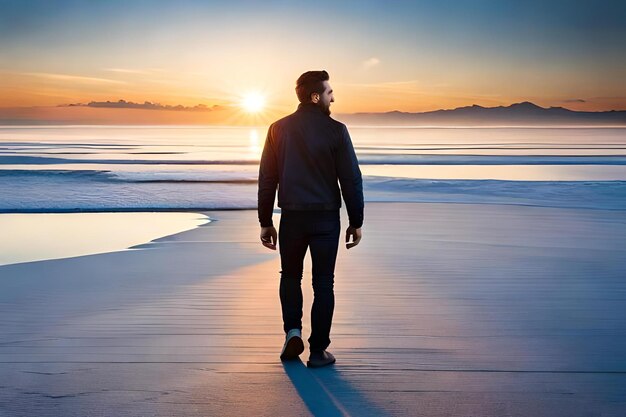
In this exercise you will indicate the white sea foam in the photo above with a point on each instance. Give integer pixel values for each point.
(85, 190)
(125, 169)
(367, 159)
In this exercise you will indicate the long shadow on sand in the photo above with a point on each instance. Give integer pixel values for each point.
(326, 393)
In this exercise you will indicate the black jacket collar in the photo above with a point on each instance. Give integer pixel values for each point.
(312, 107)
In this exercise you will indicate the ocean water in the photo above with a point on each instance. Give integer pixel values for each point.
(124, 168)
(28, 237)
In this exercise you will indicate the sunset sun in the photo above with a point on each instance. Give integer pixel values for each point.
(253, 102)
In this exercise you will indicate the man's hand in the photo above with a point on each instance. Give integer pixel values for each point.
(269, 237)
(356, 236)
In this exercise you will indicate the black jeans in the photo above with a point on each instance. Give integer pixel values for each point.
(318, 230)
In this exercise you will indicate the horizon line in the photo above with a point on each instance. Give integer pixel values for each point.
(218, 107)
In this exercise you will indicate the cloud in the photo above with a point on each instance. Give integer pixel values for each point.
(372, 62)
(146, 105)
(575, 100)
(134, 71)
(125, 71)
(73, 78)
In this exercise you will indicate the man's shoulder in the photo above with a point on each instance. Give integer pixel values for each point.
(282, 121)
(340, 128)
(337, 123)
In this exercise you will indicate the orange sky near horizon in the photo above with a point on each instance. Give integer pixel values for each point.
(169, 88)
(408, 56)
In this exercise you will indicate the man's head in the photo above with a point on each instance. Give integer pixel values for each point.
(313, 87)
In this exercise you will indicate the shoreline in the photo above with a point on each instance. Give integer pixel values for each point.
(133, 244)
(202, 210)
(35, 237)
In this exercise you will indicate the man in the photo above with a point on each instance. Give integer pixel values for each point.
(305, 154)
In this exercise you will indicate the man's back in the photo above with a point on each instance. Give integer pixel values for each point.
(305, 154)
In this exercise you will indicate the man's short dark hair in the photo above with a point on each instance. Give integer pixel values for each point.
(310, 82)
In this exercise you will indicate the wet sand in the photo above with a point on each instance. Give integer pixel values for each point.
(442, 310)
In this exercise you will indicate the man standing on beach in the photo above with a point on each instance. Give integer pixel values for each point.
(306, 153)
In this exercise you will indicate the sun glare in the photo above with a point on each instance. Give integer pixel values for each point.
(253, 102)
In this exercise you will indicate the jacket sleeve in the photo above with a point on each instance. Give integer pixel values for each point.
(350, 179)
(268, 180)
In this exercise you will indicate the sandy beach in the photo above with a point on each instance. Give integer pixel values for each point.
(442, 310)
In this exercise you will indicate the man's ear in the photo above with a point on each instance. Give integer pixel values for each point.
(315, 97)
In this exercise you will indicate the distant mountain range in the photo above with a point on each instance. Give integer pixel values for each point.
(525, 113)
(129, 113)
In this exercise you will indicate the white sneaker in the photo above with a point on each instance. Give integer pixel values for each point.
(293, 346)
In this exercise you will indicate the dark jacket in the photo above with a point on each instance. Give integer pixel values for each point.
(305, 154)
